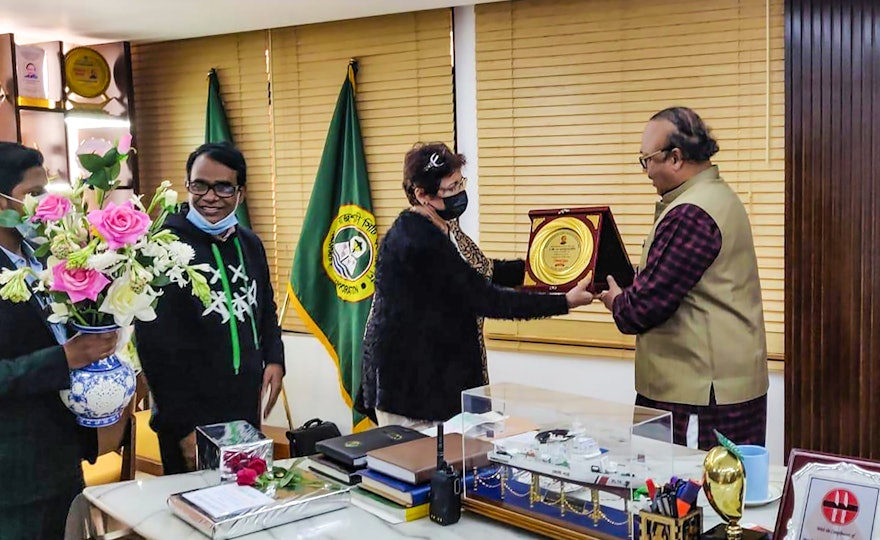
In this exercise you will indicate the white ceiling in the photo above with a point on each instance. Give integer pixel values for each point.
(86, 22)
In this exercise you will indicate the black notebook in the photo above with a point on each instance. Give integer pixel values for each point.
(351, 450)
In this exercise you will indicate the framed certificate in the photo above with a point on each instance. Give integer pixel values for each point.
(568, 245)
(829, 497)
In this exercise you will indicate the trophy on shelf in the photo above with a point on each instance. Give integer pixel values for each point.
(569, 245)
(87, 74)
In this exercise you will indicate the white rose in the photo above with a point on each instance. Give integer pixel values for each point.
(170, 198)
(60, 313)
(126, 305)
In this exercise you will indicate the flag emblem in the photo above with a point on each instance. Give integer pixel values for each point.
(350, 253)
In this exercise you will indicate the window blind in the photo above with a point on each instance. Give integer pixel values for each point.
(404, 95)
(564, 89)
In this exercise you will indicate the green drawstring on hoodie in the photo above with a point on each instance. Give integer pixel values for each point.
(227, 292)
(244, 269)
(233, 324)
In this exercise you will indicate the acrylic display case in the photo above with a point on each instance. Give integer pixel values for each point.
(562, 465)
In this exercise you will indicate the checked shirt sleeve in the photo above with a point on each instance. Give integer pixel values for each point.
(685, 245)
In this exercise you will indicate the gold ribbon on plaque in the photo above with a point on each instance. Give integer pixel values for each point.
(567, 246)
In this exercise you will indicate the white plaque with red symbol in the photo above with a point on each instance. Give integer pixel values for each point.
(835, 502)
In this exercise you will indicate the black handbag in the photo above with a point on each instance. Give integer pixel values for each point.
(303, 439)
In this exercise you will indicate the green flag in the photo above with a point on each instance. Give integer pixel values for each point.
(217, 130)
(331, 284)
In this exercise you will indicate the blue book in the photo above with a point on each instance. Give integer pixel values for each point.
(395, 490)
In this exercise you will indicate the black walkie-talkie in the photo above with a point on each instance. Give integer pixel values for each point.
(445, 507)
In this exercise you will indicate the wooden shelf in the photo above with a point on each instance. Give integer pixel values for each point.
(40, 109)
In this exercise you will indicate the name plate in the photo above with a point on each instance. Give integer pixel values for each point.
(568, 245)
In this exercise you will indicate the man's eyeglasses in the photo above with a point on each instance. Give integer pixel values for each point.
(453, 188)
(221, 189)
(643, 160)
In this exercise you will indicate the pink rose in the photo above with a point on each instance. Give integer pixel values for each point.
(78, 283)
(124, 145)
(246, 477)
(119, 225)
(51, 208)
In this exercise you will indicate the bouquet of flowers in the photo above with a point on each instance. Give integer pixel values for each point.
(107, 262)
(253, 471)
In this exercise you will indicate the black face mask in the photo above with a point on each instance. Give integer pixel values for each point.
(455, 205)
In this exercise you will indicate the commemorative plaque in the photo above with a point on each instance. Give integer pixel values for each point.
(86, 72)
(571, 244)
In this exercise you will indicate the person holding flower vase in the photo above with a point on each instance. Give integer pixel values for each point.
(214, 364)
(41, 444)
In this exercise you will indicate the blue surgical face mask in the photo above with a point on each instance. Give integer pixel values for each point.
(28, 231)
(197, 219)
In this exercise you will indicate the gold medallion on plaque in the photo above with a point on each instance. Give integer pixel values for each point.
(87, 77)
(570, 245)
(561, 249)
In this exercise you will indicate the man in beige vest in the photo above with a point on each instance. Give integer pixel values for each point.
(695, 305)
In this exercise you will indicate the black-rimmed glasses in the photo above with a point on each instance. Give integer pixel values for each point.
(223, 190)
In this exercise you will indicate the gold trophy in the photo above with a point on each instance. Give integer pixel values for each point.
(724, 481)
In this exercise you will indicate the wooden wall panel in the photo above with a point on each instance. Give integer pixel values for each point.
(832, 129)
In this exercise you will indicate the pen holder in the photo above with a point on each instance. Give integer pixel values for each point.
(688, 527)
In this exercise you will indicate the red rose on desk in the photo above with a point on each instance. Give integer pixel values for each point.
(258, 465)
(246, 477)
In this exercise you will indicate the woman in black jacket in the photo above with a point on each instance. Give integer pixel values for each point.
(423, 343)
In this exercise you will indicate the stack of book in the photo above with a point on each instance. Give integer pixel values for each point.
(396, 485)
(343, 458)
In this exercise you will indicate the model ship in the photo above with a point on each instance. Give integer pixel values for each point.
(567, 455)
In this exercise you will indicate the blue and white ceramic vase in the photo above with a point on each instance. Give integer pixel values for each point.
(100, 391)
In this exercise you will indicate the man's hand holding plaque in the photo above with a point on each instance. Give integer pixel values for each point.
(568, 246)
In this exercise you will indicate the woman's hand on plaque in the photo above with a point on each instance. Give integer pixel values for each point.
(579, 296)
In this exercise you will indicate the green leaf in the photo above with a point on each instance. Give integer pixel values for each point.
(99, 180)
(91, 162)
(111, 157)
(42, 250)
(289, 478)
(113, 171)
(9, 218)
(160, 281)
(728, 444)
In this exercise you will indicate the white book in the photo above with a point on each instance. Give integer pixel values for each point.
(227, 499)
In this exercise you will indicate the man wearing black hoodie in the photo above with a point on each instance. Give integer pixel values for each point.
(214, 364)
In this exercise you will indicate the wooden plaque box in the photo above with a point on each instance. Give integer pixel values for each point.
(568, 245)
